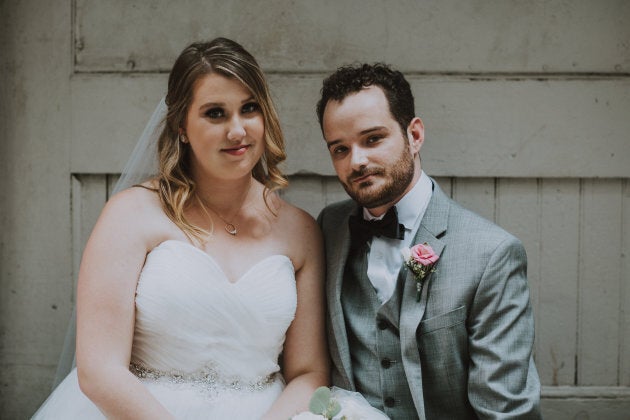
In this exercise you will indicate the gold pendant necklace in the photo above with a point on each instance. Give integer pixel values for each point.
(229, 226)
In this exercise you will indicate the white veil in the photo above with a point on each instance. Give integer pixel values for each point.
(141, 165)
(143, 162)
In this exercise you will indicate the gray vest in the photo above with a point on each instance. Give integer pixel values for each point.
(374, 341)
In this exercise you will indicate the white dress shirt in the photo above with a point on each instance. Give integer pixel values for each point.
(384, 257)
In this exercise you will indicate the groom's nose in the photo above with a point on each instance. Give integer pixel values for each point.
(358, 157)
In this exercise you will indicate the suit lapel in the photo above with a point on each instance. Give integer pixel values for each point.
(431, 228)
(339, 245)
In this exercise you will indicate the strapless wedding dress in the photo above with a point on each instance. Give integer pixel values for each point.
(205, 347)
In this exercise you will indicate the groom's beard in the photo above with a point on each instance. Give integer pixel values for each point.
(397, 177)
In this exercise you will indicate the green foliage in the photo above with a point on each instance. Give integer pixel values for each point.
(322, 403)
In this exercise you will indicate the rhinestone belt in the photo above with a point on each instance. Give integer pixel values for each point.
(208, 378)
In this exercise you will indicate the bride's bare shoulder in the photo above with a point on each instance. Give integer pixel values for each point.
(297, 222)
(300, 234)
(136, 213)
(136, 204)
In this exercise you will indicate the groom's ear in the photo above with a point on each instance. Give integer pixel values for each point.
(415, 135)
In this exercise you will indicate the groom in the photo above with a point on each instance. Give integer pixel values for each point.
(454, 344)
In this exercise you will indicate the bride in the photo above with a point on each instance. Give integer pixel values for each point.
(195, 282)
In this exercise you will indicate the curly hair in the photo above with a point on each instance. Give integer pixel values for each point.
(352, 78)
(176, 188)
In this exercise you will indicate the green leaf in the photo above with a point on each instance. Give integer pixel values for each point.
(333, 409)
(320, 401)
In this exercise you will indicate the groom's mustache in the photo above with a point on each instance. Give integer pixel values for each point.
(365, 172)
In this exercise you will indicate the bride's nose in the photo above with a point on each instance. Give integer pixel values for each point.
(236, 130)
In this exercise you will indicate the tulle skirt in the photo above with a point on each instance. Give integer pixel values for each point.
(183, 400)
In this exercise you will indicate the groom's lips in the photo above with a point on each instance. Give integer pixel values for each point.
(361, 179)
(357, 179)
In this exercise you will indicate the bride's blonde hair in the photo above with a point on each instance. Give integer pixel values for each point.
(176, 187)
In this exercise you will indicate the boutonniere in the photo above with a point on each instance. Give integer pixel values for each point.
(420, 259)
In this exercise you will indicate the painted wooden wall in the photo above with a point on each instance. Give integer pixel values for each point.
(526, 106)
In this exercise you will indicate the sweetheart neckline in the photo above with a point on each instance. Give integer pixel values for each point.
(216, 264)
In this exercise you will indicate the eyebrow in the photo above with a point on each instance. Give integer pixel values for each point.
(331, 143)
(213, 104)
(371, 129)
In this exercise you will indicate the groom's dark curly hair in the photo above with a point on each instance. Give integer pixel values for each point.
(351, 79)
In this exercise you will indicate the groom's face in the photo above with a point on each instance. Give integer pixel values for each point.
(374, 160)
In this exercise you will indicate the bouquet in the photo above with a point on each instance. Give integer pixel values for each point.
(339, 404)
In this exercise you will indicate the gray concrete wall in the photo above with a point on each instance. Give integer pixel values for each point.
(36, 290)
(525, 103)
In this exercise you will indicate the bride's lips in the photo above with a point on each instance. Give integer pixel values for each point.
(236, 150)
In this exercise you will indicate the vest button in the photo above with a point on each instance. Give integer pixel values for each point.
(382, 324)
(389, 402)
(386, 363)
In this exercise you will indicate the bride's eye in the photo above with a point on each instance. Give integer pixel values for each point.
(250, 107)
(215, 113)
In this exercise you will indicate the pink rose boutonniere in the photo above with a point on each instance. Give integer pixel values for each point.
(420, 259)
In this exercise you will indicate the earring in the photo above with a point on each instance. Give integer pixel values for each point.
(182, 137)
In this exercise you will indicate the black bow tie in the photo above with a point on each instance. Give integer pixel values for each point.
(362, 230)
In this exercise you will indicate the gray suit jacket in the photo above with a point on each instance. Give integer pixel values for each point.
(467, 344)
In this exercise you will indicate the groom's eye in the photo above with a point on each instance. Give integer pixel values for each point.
(338, 150)
(374, 139)
(214, 113)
